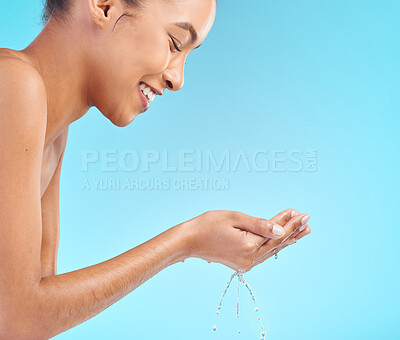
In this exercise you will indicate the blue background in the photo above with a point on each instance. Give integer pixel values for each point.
(272, 75)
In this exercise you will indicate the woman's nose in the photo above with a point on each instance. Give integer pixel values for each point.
(174, 78)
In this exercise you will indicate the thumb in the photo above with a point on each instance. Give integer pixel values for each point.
(260, 226)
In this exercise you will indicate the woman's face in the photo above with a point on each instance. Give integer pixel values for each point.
(143, 51)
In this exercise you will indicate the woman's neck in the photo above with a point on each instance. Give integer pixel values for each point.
(59, 55)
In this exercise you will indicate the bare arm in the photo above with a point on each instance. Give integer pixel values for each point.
(32, 306)
(66, 300)
(35, 307)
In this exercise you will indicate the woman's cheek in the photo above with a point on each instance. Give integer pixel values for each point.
(161, 60)
(156, 56)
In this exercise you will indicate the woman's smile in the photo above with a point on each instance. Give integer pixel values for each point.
(147, 94)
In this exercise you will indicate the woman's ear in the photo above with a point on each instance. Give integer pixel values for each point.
(104, 12)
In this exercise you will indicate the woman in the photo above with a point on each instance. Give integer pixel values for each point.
(116, 55)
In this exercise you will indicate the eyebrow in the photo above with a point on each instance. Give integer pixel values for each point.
(188, 26)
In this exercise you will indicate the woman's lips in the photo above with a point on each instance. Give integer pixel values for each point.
(145, 101)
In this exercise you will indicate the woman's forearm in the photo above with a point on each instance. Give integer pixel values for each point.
(66, 300)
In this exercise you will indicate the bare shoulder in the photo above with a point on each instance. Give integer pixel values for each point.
(23, 99)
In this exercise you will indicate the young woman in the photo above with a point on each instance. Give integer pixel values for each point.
(116, 55)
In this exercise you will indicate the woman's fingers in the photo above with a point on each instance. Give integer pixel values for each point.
(254, 241)
(291, 227)
(303, 233)
(283, 217)
(291, 240)
(299, 231)
(296, 224)
(259, 226)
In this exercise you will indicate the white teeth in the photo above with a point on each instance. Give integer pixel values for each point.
(148, 92)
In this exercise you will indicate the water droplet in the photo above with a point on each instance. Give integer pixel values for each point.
(276, 256)
(214, 328)
(245, 283)
(238, 296)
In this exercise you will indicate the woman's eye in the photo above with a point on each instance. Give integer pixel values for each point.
(175, 44)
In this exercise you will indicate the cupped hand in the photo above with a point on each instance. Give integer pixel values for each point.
(240, 241)
(296, 227)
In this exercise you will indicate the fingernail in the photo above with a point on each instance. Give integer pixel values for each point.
(302, 228)
(293, 213)
(278, 230)
(305, 219)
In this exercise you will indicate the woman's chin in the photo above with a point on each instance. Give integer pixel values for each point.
(124, 119)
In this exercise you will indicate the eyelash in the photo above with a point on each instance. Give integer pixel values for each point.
(175, 45)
